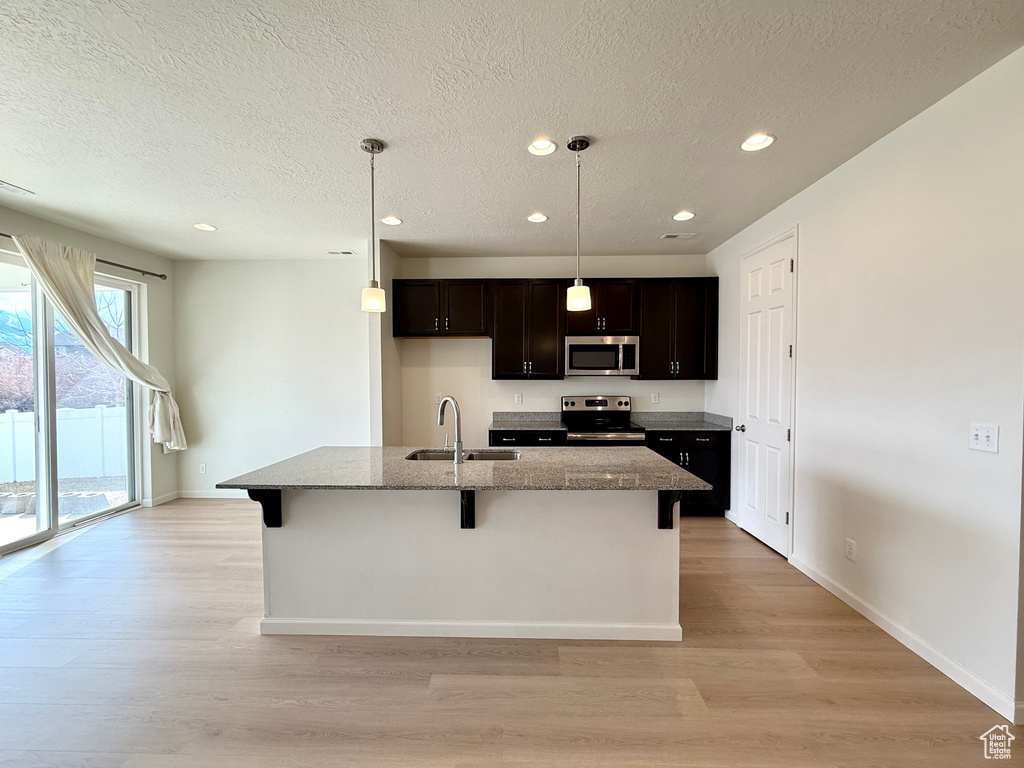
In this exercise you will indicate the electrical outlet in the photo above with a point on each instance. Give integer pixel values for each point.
(984, 437)
(655, 398)
(851, 550)
(438, 398)
(202, 469)
(519, 398)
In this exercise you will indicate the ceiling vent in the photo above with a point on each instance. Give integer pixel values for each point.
(341, 253)
(679, 236)
(6, 186)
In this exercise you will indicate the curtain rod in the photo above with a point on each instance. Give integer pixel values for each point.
(115, 264)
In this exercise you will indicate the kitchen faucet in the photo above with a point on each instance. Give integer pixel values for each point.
(458, 424)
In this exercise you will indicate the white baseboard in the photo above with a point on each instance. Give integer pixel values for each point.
(732, 517)
(214, 493)
(156, 502)
(1018, 714)
(524, 629)
(958, 673)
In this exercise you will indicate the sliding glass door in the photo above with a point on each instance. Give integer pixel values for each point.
(67, 422)
(95, 416)
(25, 514)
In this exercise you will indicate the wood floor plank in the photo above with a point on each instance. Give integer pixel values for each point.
(633, 697)
(40, 759)
(676, 662)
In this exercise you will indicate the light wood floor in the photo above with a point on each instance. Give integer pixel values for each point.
(134, 644)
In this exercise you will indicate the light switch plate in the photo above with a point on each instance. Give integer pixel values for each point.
(984, 437)
(519, 398)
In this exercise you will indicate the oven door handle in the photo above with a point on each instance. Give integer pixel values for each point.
(605, 436)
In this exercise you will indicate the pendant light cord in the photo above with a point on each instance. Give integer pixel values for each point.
(577, 215)
(373, 227)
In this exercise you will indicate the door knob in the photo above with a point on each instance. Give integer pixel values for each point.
(741, 428)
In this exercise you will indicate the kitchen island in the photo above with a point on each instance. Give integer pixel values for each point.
(574, 543)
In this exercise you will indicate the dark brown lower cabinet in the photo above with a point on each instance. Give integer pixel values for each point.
(706, 454)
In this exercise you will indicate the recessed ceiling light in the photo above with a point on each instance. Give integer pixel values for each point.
(542, 147)
(205, 227)
(536, 218)
(393, 221)
(757, 141)
(684, 215)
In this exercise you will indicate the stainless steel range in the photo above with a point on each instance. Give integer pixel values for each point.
(600, 420)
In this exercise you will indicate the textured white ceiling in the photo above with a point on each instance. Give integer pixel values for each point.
(132, 119)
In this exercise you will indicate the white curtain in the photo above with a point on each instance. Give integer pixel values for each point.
(66, 276)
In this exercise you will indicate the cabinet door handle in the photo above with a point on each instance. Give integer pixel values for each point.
(437, 323)
(686, 461)
(703, 439)
(446, 323)
(524, 366)
(665, 439)
(531, 366)
(508, 439)
(544, 439)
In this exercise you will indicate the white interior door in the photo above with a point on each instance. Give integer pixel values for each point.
(766, 388)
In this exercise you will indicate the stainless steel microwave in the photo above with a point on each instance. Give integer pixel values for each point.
(602, 355)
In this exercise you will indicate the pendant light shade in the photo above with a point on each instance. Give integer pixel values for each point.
(373, 298)
(577, 298)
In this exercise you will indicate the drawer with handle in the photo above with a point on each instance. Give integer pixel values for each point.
(519, 437)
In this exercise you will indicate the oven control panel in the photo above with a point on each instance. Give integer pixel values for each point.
(595, 403)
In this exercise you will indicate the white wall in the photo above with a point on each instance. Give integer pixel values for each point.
(911, 325)
(272, 361)
(160, 470)
(462, 367)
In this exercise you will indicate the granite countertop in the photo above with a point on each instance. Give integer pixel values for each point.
(528, 426)
(540, 469)
(685, 426)
(651, 421)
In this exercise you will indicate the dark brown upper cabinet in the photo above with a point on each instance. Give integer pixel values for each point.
(440, 308)
(613, 312)
(679, 328)
(528, 329)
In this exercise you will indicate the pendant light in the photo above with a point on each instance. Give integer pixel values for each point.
(577, 298)
(373, 299)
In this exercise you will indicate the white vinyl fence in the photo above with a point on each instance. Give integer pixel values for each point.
(91, 442)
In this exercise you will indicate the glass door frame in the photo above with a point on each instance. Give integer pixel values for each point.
(132, 409)
(44, 413)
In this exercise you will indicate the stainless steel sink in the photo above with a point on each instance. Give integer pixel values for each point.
(430, 455)
(438, 454)
(493, 455)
